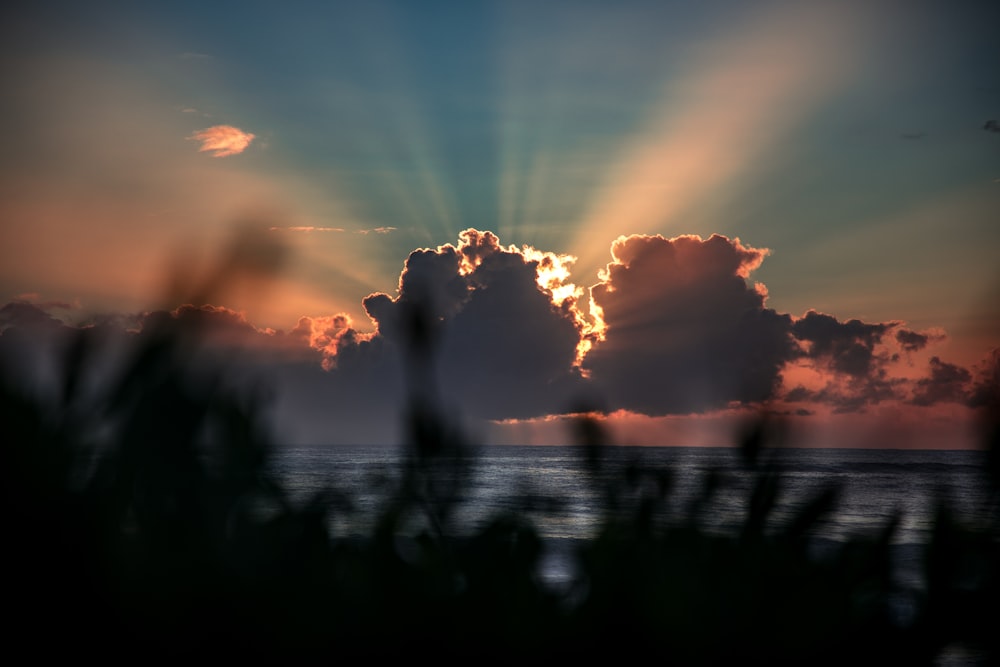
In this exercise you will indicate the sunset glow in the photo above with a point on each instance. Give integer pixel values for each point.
(682, 215)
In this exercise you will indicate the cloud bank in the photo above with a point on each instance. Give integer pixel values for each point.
(673, 327)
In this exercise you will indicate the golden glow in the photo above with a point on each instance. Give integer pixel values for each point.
(743, 93)
(222, 140)
(325, 334)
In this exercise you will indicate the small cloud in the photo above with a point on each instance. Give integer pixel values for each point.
(306, 229)
(376, 230)
(912, 341)
(193, 55)
(992, 126)
(912, 135)
(222, 140)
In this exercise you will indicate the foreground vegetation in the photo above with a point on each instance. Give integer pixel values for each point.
(145, 522)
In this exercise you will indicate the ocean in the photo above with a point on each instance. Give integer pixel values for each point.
(566, 501)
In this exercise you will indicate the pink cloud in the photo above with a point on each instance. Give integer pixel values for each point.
(222, 140)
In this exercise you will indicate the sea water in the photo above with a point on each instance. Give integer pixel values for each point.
(566, 499)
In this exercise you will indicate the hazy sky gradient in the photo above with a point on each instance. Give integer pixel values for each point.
(850, 139)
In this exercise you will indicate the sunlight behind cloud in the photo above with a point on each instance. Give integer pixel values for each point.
(743, 93)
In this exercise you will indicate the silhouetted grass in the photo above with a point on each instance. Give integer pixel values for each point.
(143, 523)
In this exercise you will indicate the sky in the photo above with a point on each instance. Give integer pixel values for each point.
(675, 214)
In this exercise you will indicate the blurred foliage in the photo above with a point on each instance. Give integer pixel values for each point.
(146, 522)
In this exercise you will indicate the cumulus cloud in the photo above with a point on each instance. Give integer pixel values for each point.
(682, 329)
(222, 140)
(506, 347)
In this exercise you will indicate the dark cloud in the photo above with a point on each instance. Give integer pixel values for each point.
(992, 126)
(855, 394)
(23, 314)
(912, 341)
(684, 331)
(856, 360)
(947, 383)
(504, 348)
(847, 347)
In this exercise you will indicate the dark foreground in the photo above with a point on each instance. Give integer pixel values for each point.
(142, 523)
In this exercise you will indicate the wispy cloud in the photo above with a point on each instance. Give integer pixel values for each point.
(306, 229)
(222, 140)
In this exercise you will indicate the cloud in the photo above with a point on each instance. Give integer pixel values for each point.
(912, 341)
(505, 347)
(22, 313)
(376, 230)
(847, 347)
(849, 361)
(992, 126)
(947, 383)
(310, 228)
(682, 330)
(306, 229)
(328, 334)
(675, 329)
(222, 140)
